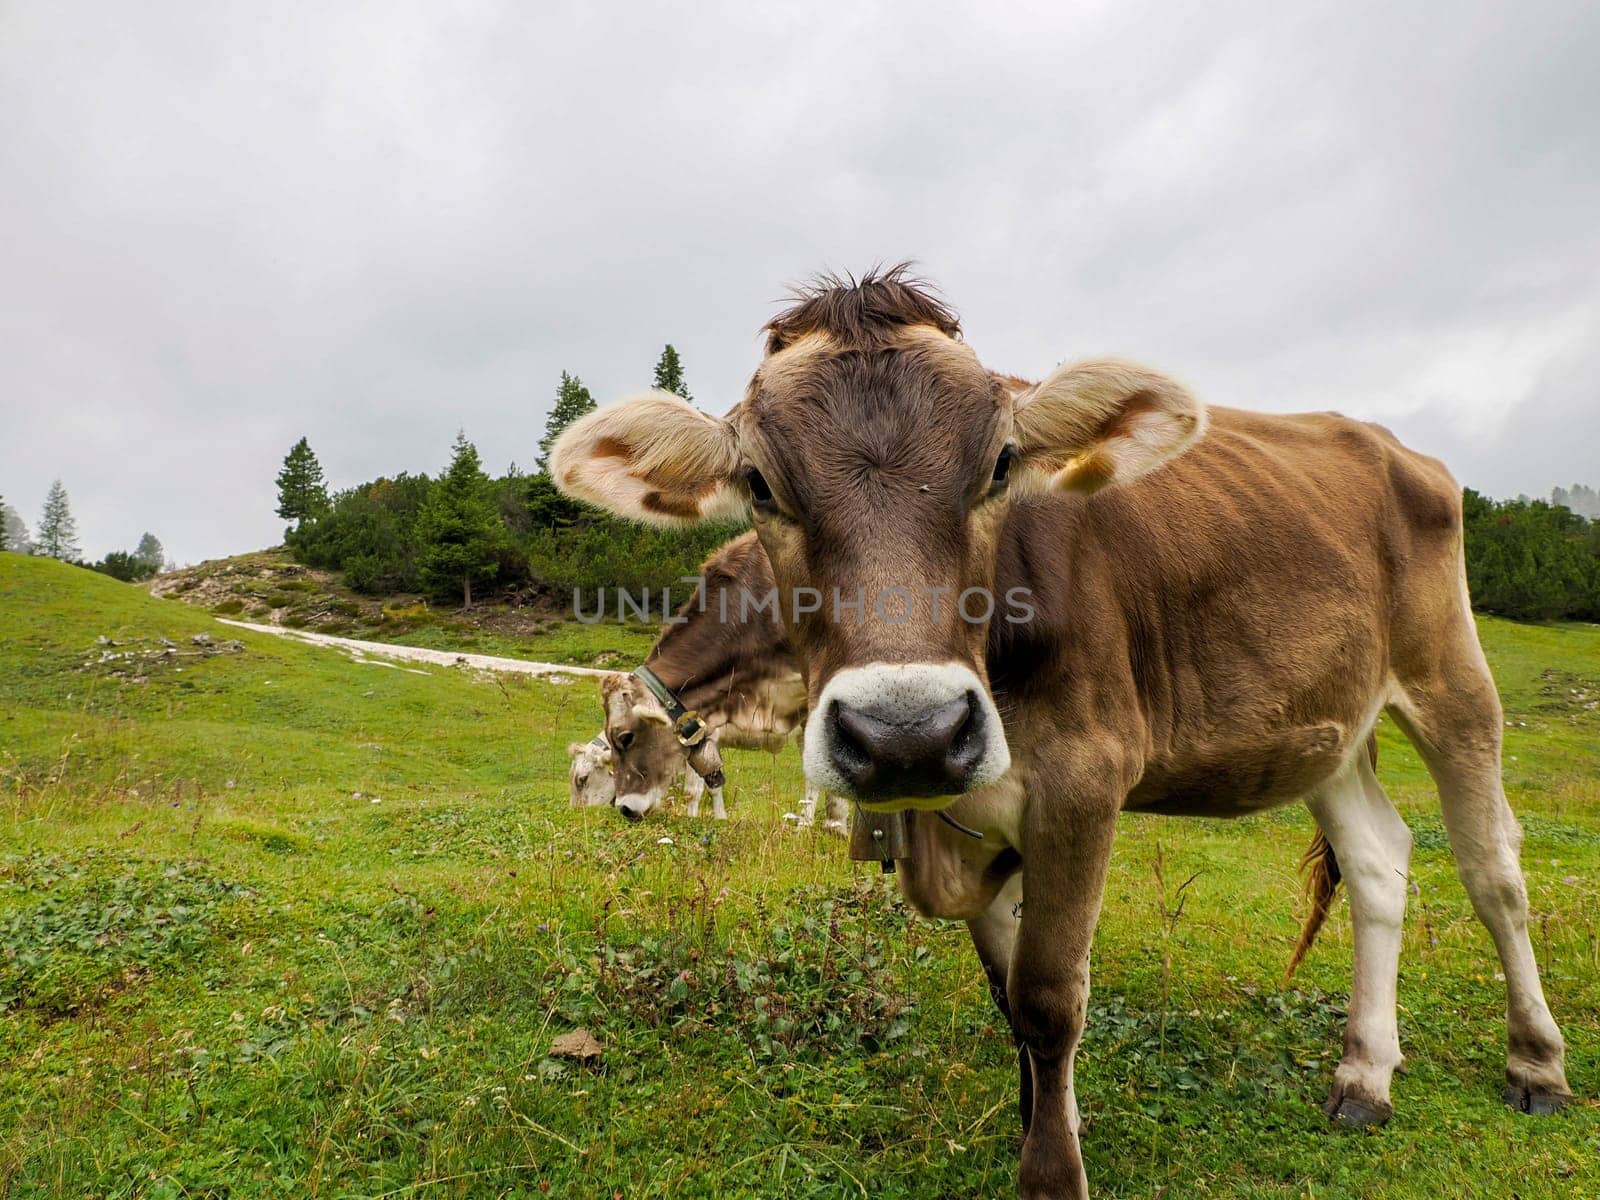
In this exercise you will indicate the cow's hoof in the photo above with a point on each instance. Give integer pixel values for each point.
(1354, 1112)
(838, 828)
(1535, 1100)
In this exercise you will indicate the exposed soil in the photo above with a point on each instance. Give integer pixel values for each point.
(270, 588)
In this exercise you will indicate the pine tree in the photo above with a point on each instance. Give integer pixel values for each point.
(16, 530)
(302, 493)
(572, 401)
(5, 531)
(669, 374)
(121, 565)
(149, 554)
(58, 532)
(457, 531)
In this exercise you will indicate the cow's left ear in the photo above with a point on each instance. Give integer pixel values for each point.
(654, 458)
(1103, 422)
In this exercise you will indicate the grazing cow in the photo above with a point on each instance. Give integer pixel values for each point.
(1168, 609)
(589, 773)
(728, 664)
(592, 780)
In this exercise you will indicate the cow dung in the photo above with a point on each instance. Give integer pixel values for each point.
(579, 1044)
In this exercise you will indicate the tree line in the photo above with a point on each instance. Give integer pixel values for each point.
(467, 533)
(56, 536)
(1531, 559)
(464, 533)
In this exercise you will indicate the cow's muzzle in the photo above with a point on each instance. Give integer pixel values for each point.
(905, 732)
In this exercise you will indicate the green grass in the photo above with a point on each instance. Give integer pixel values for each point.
(275, 923)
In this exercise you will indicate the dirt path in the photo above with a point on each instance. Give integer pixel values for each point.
(368, 652)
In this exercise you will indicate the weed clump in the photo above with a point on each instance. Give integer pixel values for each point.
(814, 984)
(90, 928)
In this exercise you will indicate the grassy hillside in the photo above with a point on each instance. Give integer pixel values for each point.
(276, 923)
(270, 588)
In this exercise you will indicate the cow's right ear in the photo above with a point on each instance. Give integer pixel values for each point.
(653, 458)
(651, 714)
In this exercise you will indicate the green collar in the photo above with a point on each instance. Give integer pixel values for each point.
(687, 724)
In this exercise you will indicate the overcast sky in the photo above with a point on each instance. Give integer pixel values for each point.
(226, 226)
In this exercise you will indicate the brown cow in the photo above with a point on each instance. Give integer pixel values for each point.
(1213, 608)
(726, 657)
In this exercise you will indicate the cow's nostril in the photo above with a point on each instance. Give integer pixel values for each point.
(931, 753)
(966, 748)
(852, 740)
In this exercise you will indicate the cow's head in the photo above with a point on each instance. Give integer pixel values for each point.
(645, 755)
(589, 774)
(876, 456)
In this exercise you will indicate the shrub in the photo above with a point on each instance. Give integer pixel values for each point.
(368, 533)
(1531, 560)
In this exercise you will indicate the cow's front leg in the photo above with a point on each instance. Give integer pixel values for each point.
(705, 769)
(1065, 856)
(838, 818)
(994, 936)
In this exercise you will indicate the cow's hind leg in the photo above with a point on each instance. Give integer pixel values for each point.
(1373, 847)
(994, 936)
(1455, 721)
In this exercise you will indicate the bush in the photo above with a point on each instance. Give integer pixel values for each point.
(1531, 560)
(606, 552)
(368, 532)
(127, 567)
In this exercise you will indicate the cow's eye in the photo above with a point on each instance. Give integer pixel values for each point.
(624, 739)
(760, 492)
(1002, 467)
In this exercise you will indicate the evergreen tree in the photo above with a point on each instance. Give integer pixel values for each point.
(302, 493)
(1530, 560)
(457, 531)
(572, 401)
(1583, 500)
(669, 374)
(58, 532)
(119, 564)
(5, 531)
(149, 554)
(369, 533)
(16, 531)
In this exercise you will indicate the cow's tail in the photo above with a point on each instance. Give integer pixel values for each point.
(1320, 867)
(1321, 871)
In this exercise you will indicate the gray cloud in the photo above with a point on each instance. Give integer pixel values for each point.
(225, 226)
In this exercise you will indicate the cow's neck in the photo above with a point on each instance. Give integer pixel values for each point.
(1040, 550)
(713, 664)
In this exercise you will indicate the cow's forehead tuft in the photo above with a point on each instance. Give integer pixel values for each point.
(862, 312)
